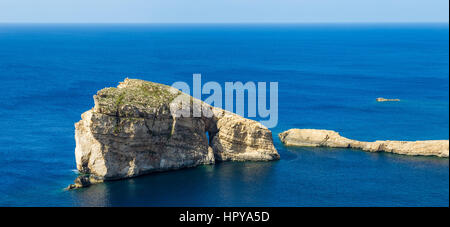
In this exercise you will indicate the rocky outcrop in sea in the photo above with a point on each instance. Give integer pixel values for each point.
(328, 138)
(387, 100)
(139, 128)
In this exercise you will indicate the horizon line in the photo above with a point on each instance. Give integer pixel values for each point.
(339, 22)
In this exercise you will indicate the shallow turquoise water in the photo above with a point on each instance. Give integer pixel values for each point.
(329, 77)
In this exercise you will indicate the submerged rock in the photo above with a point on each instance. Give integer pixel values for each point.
(138, 128)
(328, 138)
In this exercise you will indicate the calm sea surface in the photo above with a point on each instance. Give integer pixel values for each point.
(329, 77)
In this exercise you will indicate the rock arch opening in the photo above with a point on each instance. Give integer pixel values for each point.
(209, 137)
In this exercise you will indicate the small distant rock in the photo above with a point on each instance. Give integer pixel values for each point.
(387, 100)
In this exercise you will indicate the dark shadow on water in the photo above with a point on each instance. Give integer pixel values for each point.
(208, 185)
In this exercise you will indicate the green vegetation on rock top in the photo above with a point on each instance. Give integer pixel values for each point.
(136, 93)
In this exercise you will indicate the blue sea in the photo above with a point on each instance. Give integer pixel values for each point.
(329, 76)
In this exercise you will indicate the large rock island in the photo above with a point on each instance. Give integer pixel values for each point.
(139, 128)
(328, 138)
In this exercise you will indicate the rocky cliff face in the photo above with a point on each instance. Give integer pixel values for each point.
(136, 129)
(328, 138)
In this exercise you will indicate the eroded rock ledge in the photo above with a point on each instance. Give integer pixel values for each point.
(328, 138)
(136, 129)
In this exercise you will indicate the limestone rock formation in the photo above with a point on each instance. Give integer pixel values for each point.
(328, 138)
(387, 100)
(139, 128)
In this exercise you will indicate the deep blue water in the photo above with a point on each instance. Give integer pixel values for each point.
(329, 77)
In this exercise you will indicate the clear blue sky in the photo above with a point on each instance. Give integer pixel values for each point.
(223, 11)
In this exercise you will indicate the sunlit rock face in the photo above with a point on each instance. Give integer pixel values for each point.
(328, 138)
(139, 128)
